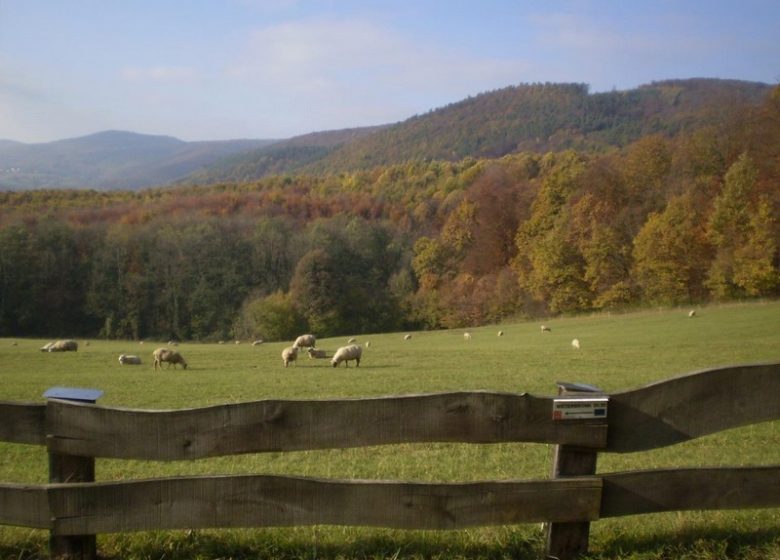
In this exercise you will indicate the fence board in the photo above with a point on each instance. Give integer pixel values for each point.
(639, 492)
(22, 422)
(24, 506)
(692, 406)
(478, 417)
(274, 501)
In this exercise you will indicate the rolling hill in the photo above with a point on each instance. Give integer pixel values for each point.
(109, 160)
(533, 117)
(522, 118)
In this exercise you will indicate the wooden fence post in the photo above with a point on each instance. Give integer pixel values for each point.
(567, 541)
(71, 468)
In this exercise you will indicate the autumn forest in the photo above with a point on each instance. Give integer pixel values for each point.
(675, 216)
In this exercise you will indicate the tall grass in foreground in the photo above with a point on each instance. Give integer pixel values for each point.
(617, 352)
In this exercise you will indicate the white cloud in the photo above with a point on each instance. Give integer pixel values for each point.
(352, 72)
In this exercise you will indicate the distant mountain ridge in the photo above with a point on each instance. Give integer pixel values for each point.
(110, 160)
(528, 117)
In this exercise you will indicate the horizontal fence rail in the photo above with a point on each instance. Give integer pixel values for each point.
(82, 429)
(694, 405)
(74, 508)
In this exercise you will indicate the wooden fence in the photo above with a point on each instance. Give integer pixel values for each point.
(74, 508)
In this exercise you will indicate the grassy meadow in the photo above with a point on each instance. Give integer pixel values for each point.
(618, 351)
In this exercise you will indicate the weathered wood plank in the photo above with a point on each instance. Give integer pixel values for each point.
(634, 493)
(24, 505)
(692, 406)
(273, 501)
(22, 422)
(298, 425)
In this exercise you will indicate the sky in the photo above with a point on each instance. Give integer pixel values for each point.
(272, 69)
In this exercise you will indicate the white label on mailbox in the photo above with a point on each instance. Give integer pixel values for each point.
(577, 408)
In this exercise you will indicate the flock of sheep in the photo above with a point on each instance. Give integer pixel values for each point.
(345, 354)
(351, 352)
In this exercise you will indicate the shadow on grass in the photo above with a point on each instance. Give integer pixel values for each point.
(202, 545)
(693, 544)
(705, 544)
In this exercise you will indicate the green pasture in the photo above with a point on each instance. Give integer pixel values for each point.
(618, 351)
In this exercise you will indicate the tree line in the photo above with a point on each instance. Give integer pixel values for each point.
(669, 219)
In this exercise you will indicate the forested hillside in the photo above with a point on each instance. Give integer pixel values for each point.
(530, 117)
(680, 217)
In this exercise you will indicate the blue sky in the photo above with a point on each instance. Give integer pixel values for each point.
(219, 69)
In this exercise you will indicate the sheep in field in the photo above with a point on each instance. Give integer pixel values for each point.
(347, 353)
(314, 353)
(466, 336)
(61, 346)
(545, 328)
(408, 337)
(130, 360)
(168, 356)
(352, 340)
(575, 343)
(305, 341)
(257, 342)
(289, 355)
(500, 333)
(692, 313)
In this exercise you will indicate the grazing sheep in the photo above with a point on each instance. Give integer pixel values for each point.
(238, 342)
(257, 342)
(352, 340)
(545, 328)
(408, 337)
(168, 356)
(305, 341)
(347, 353)
(129, 360)
(368, 343)
(61, 346)
(289, 355)
(575, 343)
(500, 333)
(314, 353)
(466, 336)
(692, 313)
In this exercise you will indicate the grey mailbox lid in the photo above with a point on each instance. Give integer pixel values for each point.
(73, 394)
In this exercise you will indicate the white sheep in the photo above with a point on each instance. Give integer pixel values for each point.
(352, 340)
(289, 355)
(408, 337)
(368, 343)
(500, 333)
(575, 343)
(347, 353)
(305, 341)
(61, 346)
(466, 336)
(314, 353)
(165, 355)
(126, 359)
(692, 313)
(545, 328)
(257, 342)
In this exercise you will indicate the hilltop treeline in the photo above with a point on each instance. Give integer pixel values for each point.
(668, 219)
(525, 118)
